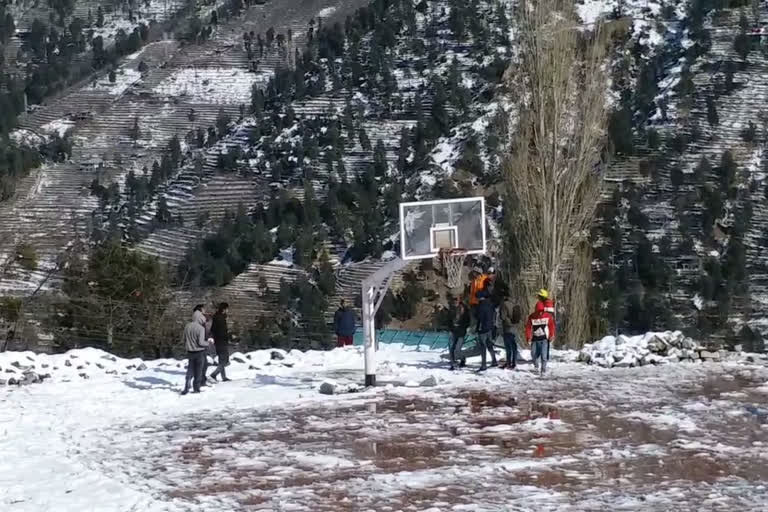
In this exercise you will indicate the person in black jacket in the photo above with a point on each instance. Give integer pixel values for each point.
(460, 320)
(486, 316)
(221, 340)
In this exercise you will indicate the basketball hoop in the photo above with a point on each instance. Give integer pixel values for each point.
(452, 261)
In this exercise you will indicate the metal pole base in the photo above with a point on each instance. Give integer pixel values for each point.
(370, 380)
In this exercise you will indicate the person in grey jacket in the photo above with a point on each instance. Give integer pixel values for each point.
(196, 345)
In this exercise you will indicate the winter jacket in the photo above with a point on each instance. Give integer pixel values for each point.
(478, 285)
(194, 333)
(484, 312)
(219, 331)
(460, 320)
(510, 316)
(344, 322)
(540, 325)
(549, 306)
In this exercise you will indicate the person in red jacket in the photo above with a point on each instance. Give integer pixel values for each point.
(549, 307)
(539, 331)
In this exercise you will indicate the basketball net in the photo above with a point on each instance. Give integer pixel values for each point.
(452, 261)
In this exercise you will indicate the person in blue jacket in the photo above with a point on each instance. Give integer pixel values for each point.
(344, 325)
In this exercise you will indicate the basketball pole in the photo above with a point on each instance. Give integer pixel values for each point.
(374, 288)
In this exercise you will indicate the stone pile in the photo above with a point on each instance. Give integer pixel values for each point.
(651, 348)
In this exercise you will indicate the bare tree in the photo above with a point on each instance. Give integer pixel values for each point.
(553, 169)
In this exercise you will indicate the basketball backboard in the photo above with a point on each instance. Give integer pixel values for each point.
(428, 226)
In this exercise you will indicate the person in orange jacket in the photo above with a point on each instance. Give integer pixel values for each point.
(539, 332)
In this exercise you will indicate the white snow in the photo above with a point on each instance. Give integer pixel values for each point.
(326, 11)
(58, 126)
(123, 439)
(223, 86)
(124, 78)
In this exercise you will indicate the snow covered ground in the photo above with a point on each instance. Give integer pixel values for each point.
(221, 86)
(114, 435)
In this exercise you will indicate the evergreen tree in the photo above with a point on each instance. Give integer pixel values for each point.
(741, 44)
(135, 131)
(727, 170)
(712, 118)
(380, 159)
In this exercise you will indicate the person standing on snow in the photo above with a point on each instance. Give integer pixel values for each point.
(539, 332)
(344, 325)
(220, 336)
(549, 307)
(196, 344)
(485, 320)
(478, 281)
(510, 318)
(460, 321)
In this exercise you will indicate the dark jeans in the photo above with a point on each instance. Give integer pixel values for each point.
(222, 353)
(195, 363)
(456, 343)
(510, 347)
(485, 342)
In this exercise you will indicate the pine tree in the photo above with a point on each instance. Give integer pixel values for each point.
(380, 159)
(727, 170)
(712, 118)
(741, 44)
(703, 170)
(135, 131)
(365, 142)
(326, 278)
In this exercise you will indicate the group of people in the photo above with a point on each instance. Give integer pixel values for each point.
(487, 310)
(200, 335)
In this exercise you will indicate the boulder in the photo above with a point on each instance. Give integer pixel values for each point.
(111, 372)
(109, 357)
(13, 382)
(650, 359)
(99, 366)
(141, 367)
(276, 356)
(689, 343)
(429, 381)
(709, 355)
(67, 363)
(331, 387)
(674, 352)
(3, 382)
(84, 375)
(688, 354)
(31, 378)
(238, 359)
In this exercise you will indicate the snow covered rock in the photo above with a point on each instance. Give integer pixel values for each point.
(630, 351)
(277, 355)
(429, 381)
(331, 387)
(709, 355)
